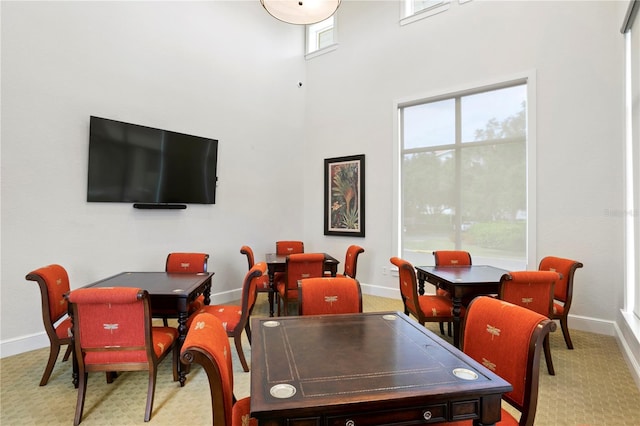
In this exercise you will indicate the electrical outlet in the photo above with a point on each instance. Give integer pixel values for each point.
(384, 270)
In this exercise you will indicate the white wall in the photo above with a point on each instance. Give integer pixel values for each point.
(230, 71)
(225, 70)
(575, 50)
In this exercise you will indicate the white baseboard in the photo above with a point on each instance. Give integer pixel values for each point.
(23, 344)
(375, 290)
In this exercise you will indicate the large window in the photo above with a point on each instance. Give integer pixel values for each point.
(463, 176)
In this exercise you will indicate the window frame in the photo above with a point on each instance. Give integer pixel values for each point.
(528, 78)
(408, 14)
(312, 33)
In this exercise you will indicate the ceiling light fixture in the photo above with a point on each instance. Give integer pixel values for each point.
(301, 12)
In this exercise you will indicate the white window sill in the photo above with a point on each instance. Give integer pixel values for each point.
(321, 52)
(424, 14)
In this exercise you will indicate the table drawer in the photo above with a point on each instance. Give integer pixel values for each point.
(413, 415)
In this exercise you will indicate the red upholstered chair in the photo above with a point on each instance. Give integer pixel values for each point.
(450, 258)
(285, 248)
(329, 295)
(113, 332)
(187, 263)
(236, 318)
(507, 339)
(262, 283)
(426, 308)
(532, 290)
(563, 292)
(54, 283)
(350, 262)
(207, 344)
(299, 266)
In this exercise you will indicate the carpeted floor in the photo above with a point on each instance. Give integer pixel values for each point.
(592, 386)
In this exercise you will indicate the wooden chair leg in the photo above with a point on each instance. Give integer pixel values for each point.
(238, 341)
(247, 329)
(442, 328)
(176, 360)
(150, 393)
(54, 350)
(111, 376)
(547, 356)
(82, 390)
(68, 352)
(565, 332)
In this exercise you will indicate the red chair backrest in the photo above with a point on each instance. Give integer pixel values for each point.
(303, 265)
(247, 251)
(530, 289)
(189, 263)
(249, 288)
(208, 340)
(452, 258)
(112, 324)
(56, 280)
(408, 284)
(330, 295)
(507, 339)
(284, 248)
(566, 268)
(351, 260)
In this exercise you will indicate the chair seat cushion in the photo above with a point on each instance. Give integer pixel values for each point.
(229, 315)
(262, 283)
(291, 293)
(240, 414)
(558, 309)
(196, 304)
(437, 306)
(63, 330)
(163, 338)
(443, 292)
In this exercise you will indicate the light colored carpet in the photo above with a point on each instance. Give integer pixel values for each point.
(592, 386)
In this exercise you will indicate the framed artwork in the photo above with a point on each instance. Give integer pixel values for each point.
(344, 196)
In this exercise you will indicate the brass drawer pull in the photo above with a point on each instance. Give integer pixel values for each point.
(427, 415)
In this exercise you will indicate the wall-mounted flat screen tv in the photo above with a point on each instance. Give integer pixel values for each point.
(129, 163)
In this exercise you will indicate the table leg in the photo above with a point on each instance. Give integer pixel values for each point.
(207, 293)
(420, 285)
(490, 411)
(271, 273)
(457, 305)
(182, 334)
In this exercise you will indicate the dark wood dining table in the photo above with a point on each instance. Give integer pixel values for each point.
(278, 263)
(365, 369)
(463, 283)
(170, 294)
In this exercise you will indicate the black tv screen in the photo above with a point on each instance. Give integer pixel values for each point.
(130, 163)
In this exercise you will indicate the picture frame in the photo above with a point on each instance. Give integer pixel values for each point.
(344, 209)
